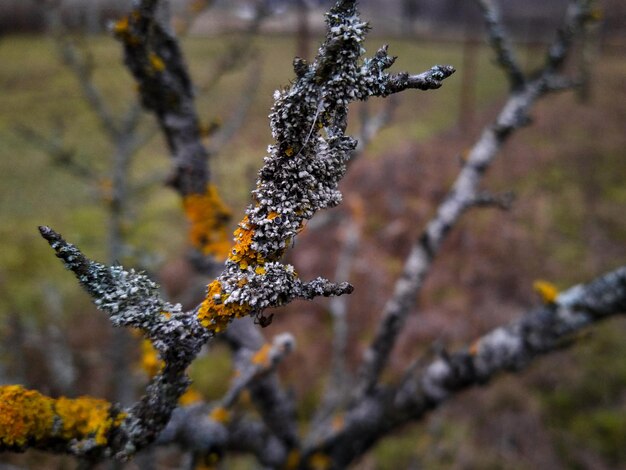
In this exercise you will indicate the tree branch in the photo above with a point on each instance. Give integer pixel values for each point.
(462, 195)
(508, 348)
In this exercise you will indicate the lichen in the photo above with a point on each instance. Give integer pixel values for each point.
(150, 362)
(300, 173)
(28, 417)
(156, 62)
(208, 217)
(220, 414)
(262, 356)
(25, 415)
(546, 290)
(86, 417)
(190, 396)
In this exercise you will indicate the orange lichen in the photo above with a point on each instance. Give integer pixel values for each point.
(167, 315)
(219, 414)
(474, 348)
(156, 62)
(242, 253)
(293, 460)
(262, 356)
(596, 14)
(546, 290)
(338, 422)
(120, 27)
(24, 415)
(86, 417)
(319, 461)
(27, 416)
(208, 217)
(198, 5)
(213, 314)
(150, 362)
(206, 129)
(289, 152)
(189, 397)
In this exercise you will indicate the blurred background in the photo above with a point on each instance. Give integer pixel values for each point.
(60, 166)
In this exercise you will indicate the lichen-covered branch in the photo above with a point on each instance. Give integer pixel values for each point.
(299, 177)
(132, 300)
(462, 196)
(507, 348)
(336, 391)
(500, 43)
(30, 419)
(302, 169)
(153, 56)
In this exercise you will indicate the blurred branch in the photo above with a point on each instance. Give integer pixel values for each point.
(336, 390)
(239, 50)
(500, 43)
(508, 348)
(371, 125)
(226, 132)
(291, 188)
(462, 195)
(59, 153)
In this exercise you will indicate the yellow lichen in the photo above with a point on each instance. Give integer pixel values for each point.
(206, 129)
(86, 417)
(289, 152)
(150, 362)
(546, 290)
(198, 5)
(120, 27)
(319, 461)
(208, 217)
(338, 422)
(242, 253)
(213, 314)
(219, 414)
(596, 14)
(293, 460)
(24, 415)
(27, 416)
(189, 397)
(262, 356)
(156, 62)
